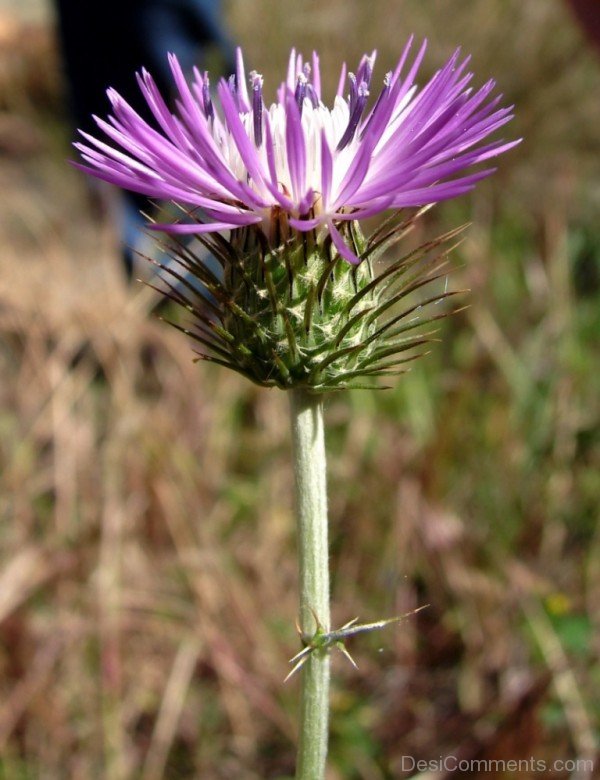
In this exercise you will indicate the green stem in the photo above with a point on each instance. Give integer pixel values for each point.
(311, 511)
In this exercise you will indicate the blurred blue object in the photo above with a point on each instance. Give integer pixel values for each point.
(105, 43)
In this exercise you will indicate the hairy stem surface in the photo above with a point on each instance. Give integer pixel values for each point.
(311, 512)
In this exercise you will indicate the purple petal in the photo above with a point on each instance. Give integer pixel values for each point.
(341, 246)
(305, 224)
(295, 146)
(355, 176)
(241, 85)
(273, 184)
(444, 191)
(316, 74)
(326, 170)
(187, 228)
(245, 147)
(291, 71)
(399, 67)
(342, 81)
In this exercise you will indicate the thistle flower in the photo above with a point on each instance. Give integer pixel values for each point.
(301, 301)
(290, 181)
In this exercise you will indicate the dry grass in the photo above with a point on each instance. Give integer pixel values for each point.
(147, 576)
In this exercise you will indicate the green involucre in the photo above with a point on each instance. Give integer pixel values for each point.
(300, 316)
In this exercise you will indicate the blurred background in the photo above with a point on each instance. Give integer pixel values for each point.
(147, 570)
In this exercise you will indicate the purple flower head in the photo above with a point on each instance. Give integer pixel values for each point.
(241, 162)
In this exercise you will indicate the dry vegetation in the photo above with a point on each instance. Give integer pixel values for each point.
(147, 575)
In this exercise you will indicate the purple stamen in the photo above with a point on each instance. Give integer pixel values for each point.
(209, 110)
(300, 94)
(353, 96)
(311, 94)
(257, 106)
(362, 93)
(365, 70)
(232, 84)
(387, 80)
